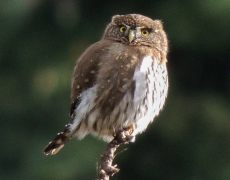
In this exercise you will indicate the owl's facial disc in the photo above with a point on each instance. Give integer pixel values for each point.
(137, 33)
(130, 33)
(134, 34)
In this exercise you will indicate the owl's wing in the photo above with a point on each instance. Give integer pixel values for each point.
(84, 77)
(85, 71)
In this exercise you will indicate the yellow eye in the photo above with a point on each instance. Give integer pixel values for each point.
(145, 32)
(122, 29)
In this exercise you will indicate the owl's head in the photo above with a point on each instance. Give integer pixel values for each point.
(137, 30)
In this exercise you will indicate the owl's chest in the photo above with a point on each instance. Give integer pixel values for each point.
(151, 86)
(143, 101)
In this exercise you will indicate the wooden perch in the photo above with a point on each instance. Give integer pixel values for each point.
(106, 168)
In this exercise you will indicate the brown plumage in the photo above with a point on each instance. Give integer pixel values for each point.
(119, 82)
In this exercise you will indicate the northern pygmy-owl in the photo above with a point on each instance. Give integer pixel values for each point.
(119, 82)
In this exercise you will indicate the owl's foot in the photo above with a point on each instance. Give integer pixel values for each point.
(123, 137)
(126, 134)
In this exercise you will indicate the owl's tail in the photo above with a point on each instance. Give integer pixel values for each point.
(58, 142)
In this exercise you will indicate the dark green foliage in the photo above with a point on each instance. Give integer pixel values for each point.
(39, 42)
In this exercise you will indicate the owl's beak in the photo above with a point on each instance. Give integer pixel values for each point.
(131, 35)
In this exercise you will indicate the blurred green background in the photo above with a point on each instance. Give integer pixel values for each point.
(39, 43)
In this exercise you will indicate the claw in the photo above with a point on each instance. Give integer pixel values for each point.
(125, 135)
(129, 130)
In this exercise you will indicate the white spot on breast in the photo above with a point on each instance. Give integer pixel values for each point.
(92, 72)
(146, 78)
(140, 78)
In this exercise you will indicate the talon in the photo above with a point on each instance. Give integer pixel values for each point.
(114, 132)
(125, 135)
(129, 130)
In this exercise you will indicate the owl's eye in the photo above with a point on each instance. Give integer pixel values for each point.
(123, 28)
(145, 32)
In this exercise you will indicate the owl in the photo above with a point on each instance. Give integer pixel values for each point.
(119, 82)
